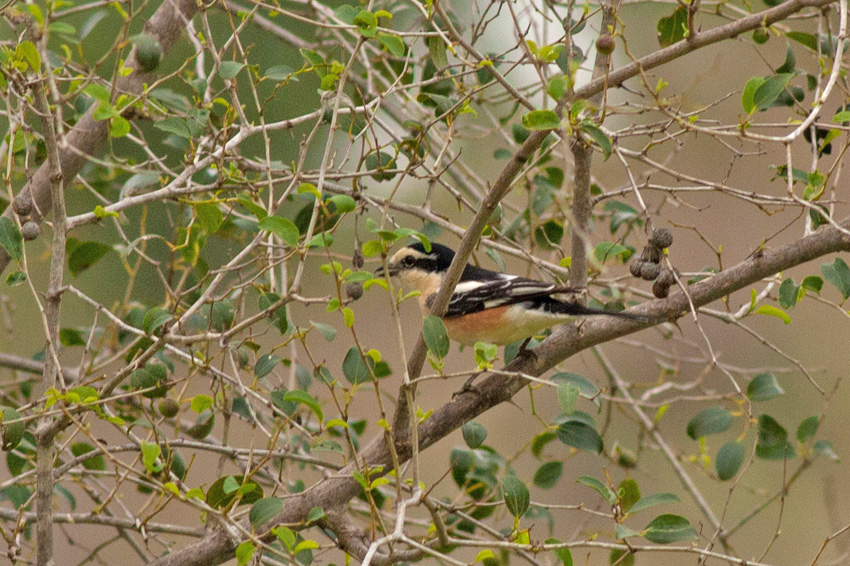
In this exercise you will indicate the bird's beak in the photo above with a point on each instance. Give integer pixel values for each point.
(381, 272)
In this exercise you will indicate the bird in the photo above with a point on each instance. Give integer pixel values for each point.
(487, 306)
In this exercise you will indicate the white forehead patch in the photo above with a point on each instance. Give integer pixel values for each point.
(410, 252)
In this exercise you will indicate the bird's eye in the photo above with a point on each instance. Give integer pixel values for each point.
(409, 261)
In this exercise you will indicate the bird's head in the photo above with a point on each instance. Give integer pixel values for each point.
(417, 268)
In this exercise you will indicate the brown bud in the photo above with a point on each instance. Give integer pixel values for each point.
(649, 271)
(169, 408)
(662, 238)
(651, 254)
(30, 230)
(357, 259)
(606, 44)
(354, 290)
(22, 205)
(635, 266)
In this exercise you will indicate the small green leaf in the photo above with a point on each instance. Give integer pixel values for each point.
(393, 43)
(668, 528)
(770, 310)
(712, 420)
(516, 495)
(315, 514)
(355, 369)
(763, 387)
(436, 337)
(541, 120)
(812, 283)
(653, 500)
(808, 428)
(825, 447)
(154, 319)
(229, 69)
(245, 552)
(119, 127)
(766, 94)
(342, 203)
(748, 98)
(597, 136)
(210, 216)
(581, 435)
(838, 274)
(788, 293)
(802, 38)
(300, 396)
(548, 474)
(598, 487)
(609, 250)
(628, 494)
(282, 228)
(558, 87)
(437, 50)
(96, 462)
(264, 510)
(568, 394)
(474, 434)
(30, 54)
(265, 364)
(12, 428)
(11, 239)
(671, 29)
(729, 459)
(772, 443)
(82, 255)
(150, 454)
(16, 278)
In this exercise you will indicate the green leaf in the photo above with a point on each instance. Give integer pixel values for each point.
(154, 319)
(265, 364)
(808, 428)
(485, 354)
(812, 283)
(653, 500)
(562, 554)
(608, 250)
(82, 255)
(597, 136)
(763, 387)
(668, 528)
(69, 337)
(548, 474)
(279, 73)
(788, 293)
(355, 369)
(11, 239)
(393, 43)
(516, 495)
(150, 454)
(825, 447)
(474, 434)
(96, 462)
(581, 435)
(748, 98)
(201, 403)
(802, 38)
(342, 203)
(619, 557)
(300, 396)
(766, 94)
(326, 330)
(772, 443)
(558, 87)
(210, 216)
(838, 274)
(229, 69)
(598, 487)
(729, 459)
(712, 420)
(671, 29)
(245, 552)
(628, 494)
(568, 394)
(119, 127)
(282, 228)
(549, 235)
(13, 428)
(436, 337)
(278, 315)
(437, 50)
(30, 54)
(264, 510)
(16, 278)
(541, 120)
(315, 514)
(770, 310)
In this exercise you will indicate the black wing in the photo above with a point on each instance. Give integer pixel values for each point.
(475, 296)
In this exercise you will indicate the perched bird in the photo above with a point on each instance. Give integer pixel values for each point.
(487, 306)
